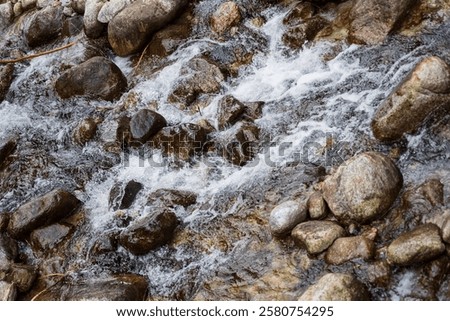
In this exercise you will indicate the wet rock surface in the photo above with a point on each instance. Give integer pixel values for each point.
(348, 248)
(317, 236)
(286, 216)
(6, 77)
(226, 16)
(122, 195)
(45, 26)
(146, 123)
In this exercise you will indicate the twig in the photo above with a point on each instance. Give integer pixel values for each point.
(11, 61)
(50, 286)
(142, 55)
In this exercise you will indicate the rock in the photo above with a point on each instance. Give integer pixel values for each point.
(226, 16)
(97, 77)
(181, 142)
(229, 111)
(317, 236)
(8, 291)
(317, 208)
(72, 26)
(6, 78)
(110, 9)
(8, 251)
(373, 20)
(348, 248)
(92, 27)
(28, 4)
(123, 134)
(130, 30)
(7, 146)
(44, 26)
(446, 231)
(171, 198)
(122, 196)
(296, 36)
(78, 6)
(379, 274)
(4, 219)
(145, 124)
(298, 14)
(42, 211)
(417, 246)
(363, 188)
(423, 91)
(286, 216)
(122, 287)
(17, 9)
(85, 131)
(47, 239)
(149, 232)
(336, 287)
(22, 276)
(6, 15)
(241, 143)
(197, 77)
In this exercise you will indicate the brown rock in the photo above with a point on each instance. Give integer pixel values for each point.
(42, 211)
(317, 208)
(229, 111)
(317, 236)
(6, 78)
(22, 276)
(296, 36)
(379, 274)
(48, 238)
(348, 248)
(363, 188)
(145, 124)
(424, 90)
(336, 287)
(419, 245)
(8, 251)
(171, 198)
(122, 196)
(226, 16)
(85, 131)
(240, 143)
(44, 26)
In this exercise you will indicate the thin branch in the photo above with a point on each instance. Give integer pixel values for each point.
(12, 61)
(142, 55)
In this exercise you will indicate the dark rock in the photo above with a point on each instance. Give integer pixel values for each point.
(47, 239)
(253, 109)
(78, 6)
(43, 211)
(7, 146)
(345, 249)
(301, 12)
(419, 245)
(336, 287)
(149, 232)
(296, 36)
(123, 133)
(197, 77)
(373, 20)
(105, 244)
(146, 123)
(72, 26)
(92, 27)
(241, 143)
(363, 188)
(8, 291)
(286, 216)
(8, 251)
(123, 287)
(122, 196)
(229, 111)
(4, 220)
(6, 78)
(182, 141)
(316, 236)
(130, 29)
(22, 276)
(424, 90)
(44, 26)
(226, 16)
(171, 198)
(98, 77)
(85, 131)
(317, 208)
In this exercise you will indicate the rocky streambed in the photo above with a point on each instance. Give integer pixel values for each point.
(224, 150)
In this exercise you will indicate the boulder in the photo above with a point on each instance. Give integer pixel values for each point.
(97, 77)
(6, 15)
(226, 16)
(22, 276)
(417, 246)
(446, 231)
(122, 196)
(229, 111)
(7, 146)
(198, 76)
(171, 198)
(6, 78)
(336, 287)
(286, 216)
(92, 27)
(8, 291)
(373, 20)
(180, 142)
(317, 236)
(122, 287)
(85, 131)
(296, 36)
(145, 124)
(345, 249)
(423, 91)
(44, 26)
(317, 208)
(42, 211)
(131, 29)
(149, 232)
(72, 26)
(78, 6)
(110, 9)
(240, 143)
(363, 188)
(48, 238)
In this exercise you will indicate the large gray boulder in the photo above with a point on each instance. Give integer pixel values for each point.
(423, 91)
(131, 29)
(363, 188)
